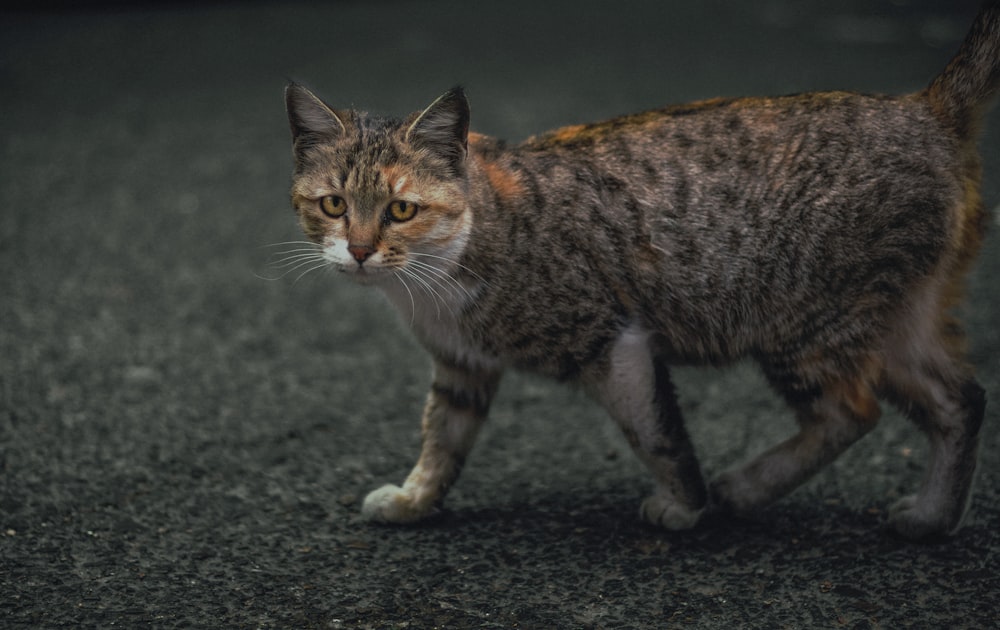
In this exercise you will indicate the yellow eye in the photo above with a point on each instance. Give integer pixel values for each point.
(402, 210)
(333, 206)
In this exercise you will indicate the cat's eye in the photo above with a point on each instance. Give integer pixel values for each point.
(401, 210)
(333, 206)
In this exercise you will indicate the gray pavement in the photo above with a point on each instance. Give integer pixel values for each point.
(185, 437)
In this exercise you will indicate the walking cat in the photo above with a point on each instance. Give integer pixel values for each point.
(825, 235)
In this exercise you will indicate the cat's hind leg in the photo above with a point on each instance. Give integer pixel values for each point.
(456, 408)
(636, 390)
(927, 378)
(831, 416)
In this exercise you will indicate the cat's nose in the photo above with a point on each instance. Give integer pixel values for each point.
(361, 252)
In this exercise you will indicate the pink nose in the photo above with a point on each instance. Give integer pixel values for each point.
(361, 252)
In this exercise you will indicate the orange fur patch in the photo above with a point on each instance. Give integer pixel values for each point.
(505, 183)
(566, 134)
(854, 390)
(856, 393)
(972, 217)
(969, 227)
(391, 175)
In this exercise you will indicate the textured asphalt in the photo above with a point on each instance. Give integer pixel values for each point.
(186, 434)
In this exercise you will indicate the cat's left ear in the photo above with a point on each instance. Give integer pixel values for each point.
(444, 127)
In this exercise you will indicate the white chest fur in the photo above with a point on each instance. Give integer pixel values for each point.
(431, 306)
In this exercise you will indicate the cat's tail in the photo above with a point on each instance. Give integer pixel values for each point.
(963, 92)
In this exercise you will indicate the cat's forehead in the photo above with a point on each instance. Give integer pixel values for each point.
(368, 146)
(372, 138)
(368, 160)
(373, 126)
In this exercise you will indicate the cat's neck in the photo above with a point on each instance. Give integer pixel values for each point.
(435, 295)
(434, 307)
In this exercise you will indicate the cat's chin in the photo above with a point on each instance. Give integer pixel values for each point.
(366, 275)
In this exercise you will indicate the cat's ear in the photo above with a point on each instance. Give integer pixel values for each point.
(309, 117)
(444, 127)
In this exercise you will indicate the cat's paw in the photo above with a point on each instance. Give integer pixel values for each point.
(392, 504)
(666, 512)
(911, 520)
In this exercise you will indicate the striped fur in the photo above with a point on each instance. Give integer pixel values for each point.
(825, 235)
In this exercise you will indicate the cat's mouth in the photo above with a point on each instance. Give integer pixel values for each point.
(363, 269)
(364, 273)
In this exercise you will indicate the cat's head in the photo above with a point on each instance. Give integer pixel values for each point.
(378, 194)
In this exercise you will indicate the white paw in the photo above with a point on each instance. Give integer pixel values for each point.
(908, 518)
(392, 504)
(666, 512)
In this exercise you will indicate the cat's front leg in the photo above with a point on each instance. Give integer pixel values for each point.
(456, 407)
(637, 391)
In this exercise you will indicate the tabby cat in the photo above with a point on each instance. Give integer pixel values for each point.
(825, 235)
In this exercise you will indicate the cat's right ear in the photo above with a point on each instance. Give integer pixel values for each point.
(444, 127)
(310, 119)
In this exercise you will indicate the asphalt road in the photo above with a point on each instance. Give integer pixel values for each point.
(186, 435)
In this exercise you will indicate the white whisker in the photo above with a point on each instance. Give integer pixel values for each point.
(428, 289)
(443, 279)
(299, 264)
(286, 243)
(413, 304)
(283, 268)
(299, 250)
(295, 256)
(452, 262)
(294, 259)
(443, 292)
(309, 270)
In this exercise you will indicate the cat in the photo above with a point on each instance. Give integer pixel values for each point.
(824, 235)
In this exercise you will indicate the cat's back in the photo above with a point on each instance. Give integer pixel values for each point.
(804, 134)
(778, 207)
(717, 181)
